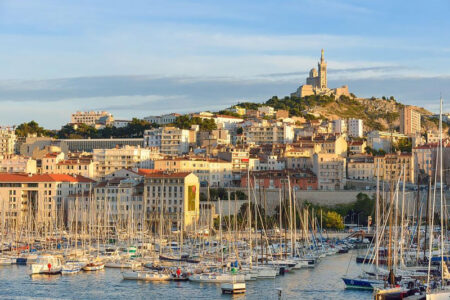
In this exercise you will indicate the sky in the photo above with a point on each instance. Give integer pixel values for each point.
(140, 58)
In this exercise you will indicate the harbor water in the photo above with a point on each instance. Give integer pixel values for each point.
(322, 282)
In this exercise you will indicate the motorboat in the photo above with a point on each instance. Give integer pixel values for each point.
(146, 276)
(71, 268)
(46, 264)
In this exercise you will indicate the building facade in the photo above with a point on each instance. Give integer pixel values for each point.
(169, 140)
(409, 121)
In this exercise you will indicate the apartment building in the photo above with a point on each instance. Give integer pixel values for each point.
(92, 118)
(110, 160)
(266, 110)
(393, 165)
(169, 140)
(361, 167)
(423, 158)
(409, 121)
(212, 172)
(7, 141)
(162, 120)
(265, 132)
(47, 165)
(118, 202)
(299, 162)
(331, 144)
(172, 198)
(355, 128)
(339, 126)
(37, 201)
(357, 147)
(18, 164)
(81, 167)
(330, 170)
(227, 122)
(270, 162)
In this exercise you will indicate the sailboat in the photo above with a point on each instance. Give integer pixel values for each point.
(442, 291)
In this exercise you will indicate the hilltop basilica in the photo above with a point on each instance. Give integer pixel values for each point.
(316, 83)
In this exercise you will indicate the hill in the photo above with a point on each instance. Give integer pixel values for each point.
(378, 114)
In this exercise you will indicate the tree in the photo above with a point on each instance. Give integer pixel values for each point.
(32, 127)
(333, 220)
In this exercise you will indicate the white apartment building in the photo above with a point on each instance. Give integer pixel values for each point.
(269, 133)
(169, 140)
(227, 122)
(121, 123)
(330, 171)
(271, 163)
(18, 164)
(162, 120)
(355, 127)
(92, 118)
(339, 126)
(7, 141)
(110, 160)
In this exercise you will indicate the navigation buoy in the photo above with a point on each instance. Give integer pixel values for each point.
(49, 266)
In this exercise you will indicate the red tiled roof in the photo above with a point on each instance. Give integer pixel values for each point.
(23, 177)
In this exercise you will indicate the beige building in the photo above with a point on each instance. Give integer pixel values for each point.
(357, 147)
(215, 172)
(169, 140)
(331, 144)
(119, 202)
(110, 160)
(172, 197)
(49, 161)
(36, 202)
(299, 162)
(18, 164)
(330, 170)
(265, 132)
(92, 118)
(423, 159)
(162, 120)
(7, 141)
(83, 167)
(361, 167)
(409, 121)
(393, 164)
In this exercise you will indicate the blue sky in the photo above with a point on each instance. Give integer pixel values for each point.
(137, 58)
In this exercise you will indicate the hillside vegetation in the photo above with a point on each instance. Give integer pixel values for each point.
(378, 114)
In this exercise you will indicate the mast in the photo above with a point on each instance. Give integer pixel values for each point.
(377, 217)
(441, 192)
(249, 217)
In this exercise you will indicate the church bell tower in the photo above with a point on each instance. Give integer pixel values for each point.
(322, 66)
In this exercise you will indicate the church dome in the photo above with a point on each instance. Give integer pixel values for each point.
(313, 73)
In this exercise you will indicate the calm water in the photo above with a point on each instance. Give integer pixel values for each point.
(322, 282)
